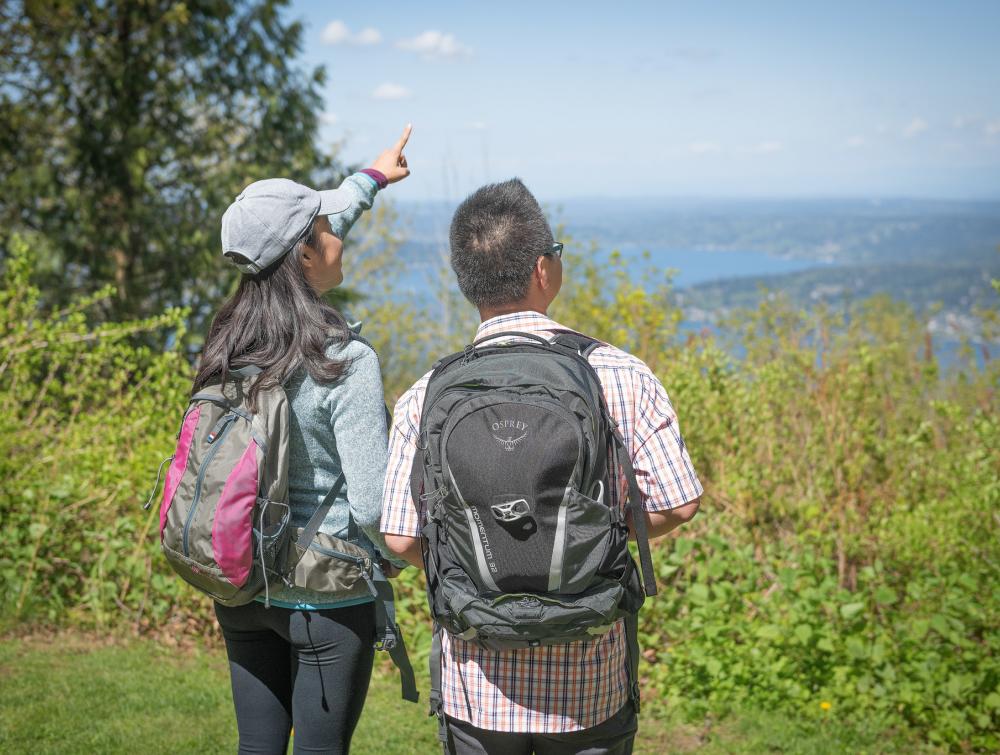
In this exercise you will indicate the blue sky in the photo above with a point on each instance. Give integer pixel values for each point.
(718, 99)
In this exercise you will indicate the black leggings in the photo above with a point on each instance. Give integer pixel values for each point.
(307, 668)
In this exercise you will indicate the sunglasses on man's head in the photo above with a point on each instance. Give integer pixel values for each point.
(556, 250)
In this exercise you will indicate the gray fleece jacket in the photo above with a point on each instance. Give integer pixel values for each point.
(334, 428)
(339, 427)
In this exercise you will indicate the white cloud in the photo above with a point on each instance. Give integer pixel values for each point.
(916, 126)
(856, 141)
(328, 119)
(435, 44)
(768, 148)
(961, 121)
(704, 148)
(992, 128)
(368, 36)
(389, 91)
(477, 125)
(337, 33)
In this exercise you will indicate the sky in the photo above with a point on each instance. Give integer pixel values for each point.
(667, 99)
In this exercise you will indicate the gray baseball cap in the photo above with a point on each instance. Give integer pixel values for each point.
(270, 216)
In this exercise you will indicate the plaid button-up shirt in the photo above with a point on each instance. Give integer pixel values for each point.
(554, 688)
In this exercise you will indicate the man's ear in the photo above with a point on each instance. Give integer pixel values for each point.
(542, 272)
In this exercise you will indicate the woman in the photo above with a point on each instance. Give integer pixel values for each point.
(307, 659)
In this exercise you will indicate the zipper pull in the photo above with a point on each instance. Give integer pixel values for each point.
(219, 427)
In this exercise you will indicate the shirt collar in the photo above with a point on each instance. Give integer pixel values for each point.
(526, 322)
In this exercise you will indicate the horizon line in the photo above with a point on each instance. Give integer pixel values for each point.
(874, 198)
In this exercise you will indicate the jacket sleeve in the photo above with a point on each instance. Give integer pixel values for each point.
(363, 189)
(359, 426)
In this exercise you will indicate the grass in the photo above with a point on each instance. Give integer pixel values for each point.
(73, 694)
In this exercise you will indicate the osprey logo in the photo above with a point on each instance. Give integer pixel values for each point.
(511, 427)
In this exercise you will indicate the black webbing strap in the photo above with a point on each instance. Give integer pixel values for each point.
(632, 648)
(511, 334)
(437, 705)
(417, 475)
(638, 515)
(316, 520)
(583, 345)
(389, 637)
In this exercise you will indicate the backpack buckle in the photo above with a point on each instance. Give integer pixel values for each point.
(511, 511)
(468, 353)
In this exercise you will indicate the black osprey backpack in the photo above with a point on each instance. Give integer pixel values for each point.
(525, 544)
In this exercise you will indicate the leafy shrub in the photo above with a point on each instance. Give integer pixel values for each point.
(733, 629)
(85, 414)
(843, 565)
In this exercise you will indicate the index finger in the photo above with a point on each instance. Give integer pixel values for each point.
(404, 138)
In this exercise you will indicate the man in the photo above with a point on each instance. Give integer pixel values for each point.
(555, 698)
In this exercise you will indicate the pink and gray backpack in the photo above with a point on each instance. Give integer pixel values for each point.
(225, 520)
(224, 516)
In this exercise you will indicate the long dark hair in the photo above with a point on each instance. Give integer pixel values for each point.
(277, 321)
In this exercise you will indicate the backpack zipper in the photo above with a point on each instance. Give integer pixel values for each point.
(216, 443)
(364, 564)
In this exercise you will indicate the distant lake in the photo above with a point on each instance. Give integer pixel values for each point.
(693, 267)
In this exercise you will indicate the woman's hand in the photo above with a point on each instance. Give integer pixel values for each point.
(392, 162)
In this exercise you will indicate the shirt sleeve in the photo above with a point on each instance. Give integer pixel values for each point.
(400, 513)
(359, 425)
(363, 188)
(663, 468)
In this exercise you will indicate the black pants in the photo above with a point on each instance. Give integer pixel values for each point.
(612, 737)
(307, 668)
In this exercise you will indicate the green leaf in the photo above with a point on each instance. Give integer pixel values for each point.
(885, 596)
(850, 610)
(769, 632)
(698, 593)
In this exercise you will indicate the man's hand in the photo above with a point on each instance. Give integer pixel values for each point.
(392, 162)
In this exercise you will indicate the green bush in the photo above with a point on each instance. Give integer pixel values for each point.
(733, 629)
(843, 565)
(86, 411)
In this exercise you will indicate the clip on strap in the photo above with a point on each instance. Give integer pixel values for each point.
(437, 704)
(388, 636)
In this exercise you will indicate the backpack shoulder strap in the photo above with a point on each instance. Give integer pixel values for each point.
(581, 344)
(316, 520)
(584, 346)
(638, 513)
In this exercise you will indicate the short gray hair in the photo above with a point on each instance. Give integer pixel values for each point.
(496, 235)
